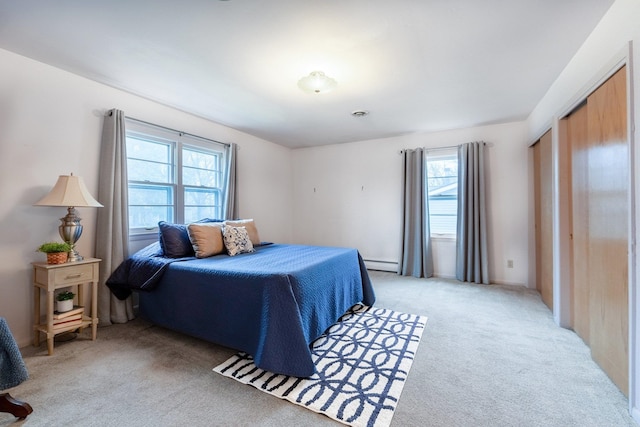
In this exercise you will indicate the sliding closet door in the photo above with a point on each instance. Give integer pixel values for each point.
(544, 218)
(577, 141)
(608, 215)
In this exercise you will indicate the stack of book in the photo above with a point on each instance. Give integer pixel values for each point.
(68, 318)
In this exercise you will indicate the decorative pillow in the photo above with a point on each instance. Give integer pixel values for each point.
(250, 225)
(206, 238)
(236, 240)
(174, 240)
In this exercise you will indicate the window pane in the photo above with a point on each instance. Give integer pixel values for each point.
(195, 213)
(144, 149)
(442, 179)
(199, 177)
(201, 203)
(149, 160)
(140, 170)
(149, 204)
(443, 215)
(140, 194)
(200, 169)
(201, 197)
(148, 216)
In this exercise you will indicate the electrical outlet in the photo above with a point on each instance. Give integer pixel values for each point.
(509, 263)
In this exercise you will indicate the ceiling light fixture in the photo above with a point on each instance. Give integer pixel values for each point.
(317, 82)
(359, 113)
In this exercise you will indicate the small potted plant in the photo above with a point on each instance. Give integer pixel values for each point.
(57, 252)
(64, 301)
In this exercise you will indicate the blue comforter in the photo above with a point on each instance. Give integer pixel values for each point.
(271, 303)
(140, 272)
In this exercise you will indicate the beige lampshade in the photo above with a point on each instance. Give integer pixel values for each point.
(69, 191)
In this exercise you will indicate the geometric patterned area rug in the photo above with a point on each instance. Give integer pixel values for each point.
(362, 363)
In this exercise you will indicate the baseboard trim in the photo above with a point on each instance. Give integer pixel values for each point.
(502, 282)
(444, 276)
(390, 266)
(635, 414)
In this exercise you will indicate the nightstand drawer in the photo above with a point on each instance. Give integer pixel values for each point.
(74, 274)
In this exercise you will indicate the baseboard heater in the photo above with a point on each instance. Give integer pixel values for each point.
(381, 265)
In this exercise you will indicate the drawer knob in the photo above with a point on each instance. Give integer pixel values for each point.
(74, 276)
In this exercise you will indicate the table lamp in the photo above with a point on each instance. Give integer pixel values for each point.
(70, 191)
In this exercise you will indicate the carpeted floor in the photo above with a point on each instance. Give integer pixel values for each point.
(490, 356)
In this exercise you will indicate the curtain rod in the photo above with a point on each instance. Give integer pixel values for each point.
(448, 147)
(176, 131)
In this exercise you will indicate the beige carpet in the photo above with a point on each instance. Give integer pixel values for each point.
(492, 357)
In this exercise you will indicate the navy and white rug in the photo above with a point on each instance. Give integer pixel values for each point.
(362, 363)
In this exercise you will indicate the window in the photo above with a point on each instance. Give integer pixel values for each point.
(173, 177)
(442, 179)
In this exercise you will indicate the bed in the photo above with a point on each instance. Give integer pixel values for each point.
(271, 303)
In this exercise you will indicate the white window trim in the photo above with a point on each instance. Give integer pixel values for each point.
(443, 236)
(434, 155)
(178, 140)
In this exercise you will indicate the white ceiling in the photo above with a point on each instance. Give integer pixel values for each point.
(415, 65)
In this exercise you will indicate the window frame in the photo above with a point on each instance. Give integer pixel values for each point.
(434, 155)
(177, 141)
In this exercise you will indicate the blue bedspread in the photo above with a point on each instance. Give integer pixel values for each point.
(141, 271)
(271, 303)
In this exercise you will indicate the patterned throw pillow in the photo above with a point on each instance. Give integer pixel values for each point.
(250, 225)
(236, 240)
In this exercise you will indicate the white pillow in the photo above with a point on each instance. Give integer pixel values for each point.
(236, 240)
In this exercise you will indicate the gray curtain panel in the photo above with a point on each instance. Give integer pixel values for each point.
(230, 197)
(472, 258)
(415, 257)
(112, 237)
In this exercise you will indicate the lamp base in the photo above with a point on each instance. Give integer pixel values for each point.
(70, 230)
(74, 256)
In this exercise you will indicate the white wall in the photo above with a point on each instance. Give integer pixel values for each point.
(349, 195)
(607, 44)
(615, 30)
(51, 123)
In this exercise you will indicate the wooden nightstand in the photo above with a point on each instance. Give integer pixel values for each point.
(48, 278)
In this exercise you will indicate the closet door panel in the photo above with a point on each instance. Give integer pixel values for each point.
(544, 218)
(577, 140)
(608, 208)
